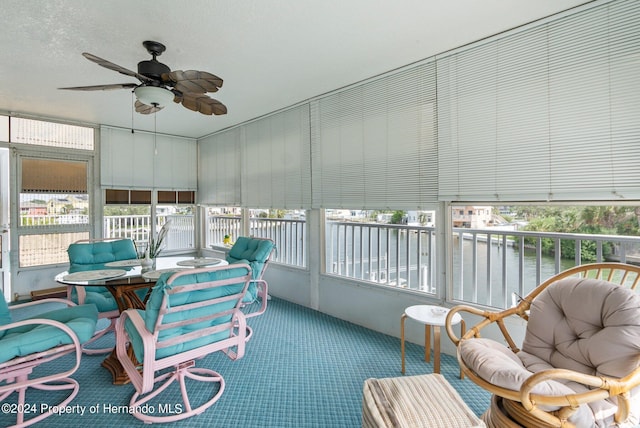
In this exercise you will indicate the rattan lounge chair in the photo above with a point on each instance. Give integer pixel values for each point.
(579, 362)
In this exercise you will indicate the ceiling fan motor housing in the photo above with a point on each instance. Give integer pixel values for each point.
(152, 69)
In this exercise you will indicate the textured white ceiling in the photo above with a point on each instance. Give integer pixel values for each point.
(270, 53)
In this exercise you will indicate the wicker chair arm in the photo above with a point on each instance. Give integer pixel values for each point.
(448, 321)
(489, 317)
(604, 387)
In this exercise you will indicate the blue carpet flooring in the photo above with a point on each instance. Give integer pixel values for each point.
(302, 369)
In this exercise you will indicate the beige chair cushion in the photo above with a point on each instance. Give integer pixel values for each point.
(586, 325)
(589, 326)
(496, 364)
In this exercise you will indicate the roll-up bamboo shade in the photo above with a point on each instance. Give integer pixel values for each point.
(53, 176)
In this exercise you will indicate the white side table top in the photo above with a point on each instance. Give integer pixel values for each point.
(431, 314)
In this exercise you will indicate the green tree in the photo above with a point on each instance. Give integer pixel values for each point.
(397, 217)
(583, 220)
(126, 210)
(276, 213)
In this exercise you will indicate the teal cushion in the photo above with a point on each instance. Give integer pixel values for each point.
(102, 298)
(28, 339)
(93, 256)
(150, 315)
(255, 252)
(81, 268)
(101, 252)
(96, 266)
(251, 249)
(123, 249)
(99, 296)
(5, 314)
(252, 291)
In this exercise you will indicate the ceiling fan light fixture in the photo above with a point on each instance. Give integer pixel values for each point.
(153, 95)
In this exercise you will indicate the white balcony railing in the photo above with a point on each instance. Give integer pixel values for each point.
(181, 235)
(218, 226)
(393, 255)
(490, 267)
(135, 227)
(288, 235)
(27, 220)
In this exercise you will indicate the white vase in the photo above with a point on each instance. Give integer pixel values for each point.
(147, 263)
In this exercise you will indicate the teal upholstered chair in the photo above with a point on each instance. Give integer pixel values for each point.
(91, 255)
(189, 315)
(40, 340)
(256, 252)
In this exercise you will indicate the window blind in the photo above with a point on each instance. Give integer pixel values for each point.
(276, 170)
(140, 161)
(373, 145)
(547, 113)
(219, 169)
(174, 163)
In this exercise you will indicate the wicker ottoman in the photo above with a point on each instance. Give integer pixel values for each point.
(426, 401)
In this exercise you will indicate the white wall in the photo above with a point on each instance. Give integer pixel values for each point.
(370, 306)
(36, 278)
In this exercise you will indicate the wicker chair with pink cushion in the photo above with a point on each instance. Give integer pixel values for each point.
(189, 315)
(579, 362)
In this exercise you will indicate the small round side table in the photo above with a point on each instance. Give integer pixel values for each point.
(430, 316)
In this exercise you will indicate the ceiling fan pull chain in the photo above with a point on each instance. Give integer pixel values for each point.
(155, 133)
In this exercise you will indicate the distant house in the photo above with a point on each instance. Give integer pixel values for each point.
(339, 214)
(471, 216)
(384, 217)
(58, 206)
(165, 210)
(232, 211)
(33, 208)
(70, 204)
(421, 218)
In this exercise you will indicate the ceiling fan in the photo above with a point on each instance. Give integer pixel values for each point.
(159, 85)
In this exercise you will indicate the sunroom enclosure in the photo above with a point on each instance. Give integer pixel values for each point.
(543, 114)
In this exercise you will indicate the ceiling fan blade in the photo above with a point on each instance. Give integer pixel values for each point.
(193, 81)
(115, 67)
(146, 109)
(203, 104)
(102, 87)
